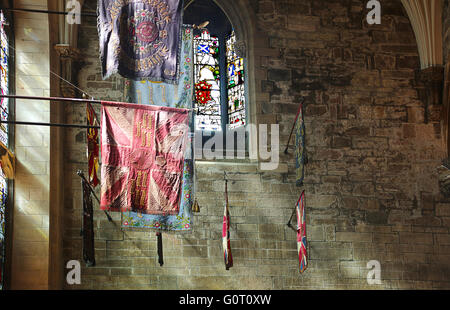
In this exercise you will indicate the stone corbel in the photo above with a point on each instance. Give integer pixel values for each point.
(67, 52)
(429, 84)
(70, 57)
(68, 91)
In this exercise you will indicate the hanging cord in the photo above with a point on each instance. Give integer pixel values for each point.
(71, 84)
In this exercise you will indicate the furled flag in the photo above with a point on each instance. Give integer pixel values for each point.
(301, 233)
(300, 150)
(143, 149)
(226, 233)
(93, 146)
(88, 226)
(140, 38)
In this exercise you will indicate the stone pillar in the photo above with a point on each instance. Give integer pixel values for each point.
(29, 268)
(62, 57)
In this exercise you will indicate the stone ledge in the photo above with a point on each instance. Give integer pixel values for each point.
(239, 165)
(229, 165)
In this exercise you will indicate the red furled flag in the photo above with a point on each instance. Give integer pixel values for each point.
(301, 233)
(93, 146)
(143, 149)
(226, 233)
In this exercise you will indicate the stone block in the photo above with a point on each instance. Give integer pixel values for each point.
(416, 238)
(354, 237)
(443, 209)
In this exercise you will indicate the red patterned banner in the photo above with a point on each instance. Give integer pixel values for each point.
(143, 150)
(93, 146)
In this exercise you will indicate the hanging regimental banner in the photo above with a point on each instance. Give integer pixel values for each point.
(177, 95)
(142, 149)
(140, 38)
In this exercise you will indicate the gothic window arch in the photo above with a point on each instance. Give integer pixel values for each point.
(219, 76)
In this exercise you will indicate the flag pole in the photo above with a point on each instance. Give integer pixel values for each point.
(81, 175)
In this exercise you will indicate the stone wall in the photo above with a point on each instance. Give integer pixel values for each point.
(371, 182)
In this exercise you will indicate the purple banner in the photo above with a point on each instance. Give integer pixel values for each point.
(140, 39)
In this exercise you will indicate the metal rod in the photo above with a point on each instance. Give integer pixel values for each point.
(51, 12)
(81, 175)
(74, 100)
(48, 124)
(77, 100)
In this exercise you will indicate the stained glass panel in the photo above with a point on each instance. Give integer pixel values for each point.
(4, 55)
(236, 87)
(207, 82)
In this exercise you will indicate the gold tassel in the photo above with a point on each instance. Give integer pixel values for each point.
(196, 207)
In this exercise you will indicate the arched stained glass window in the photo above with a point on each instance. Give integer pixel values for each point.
(208, 83)
(219, 74)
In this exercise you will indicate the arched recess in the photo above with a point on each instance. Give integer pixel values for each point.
(426, 20)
